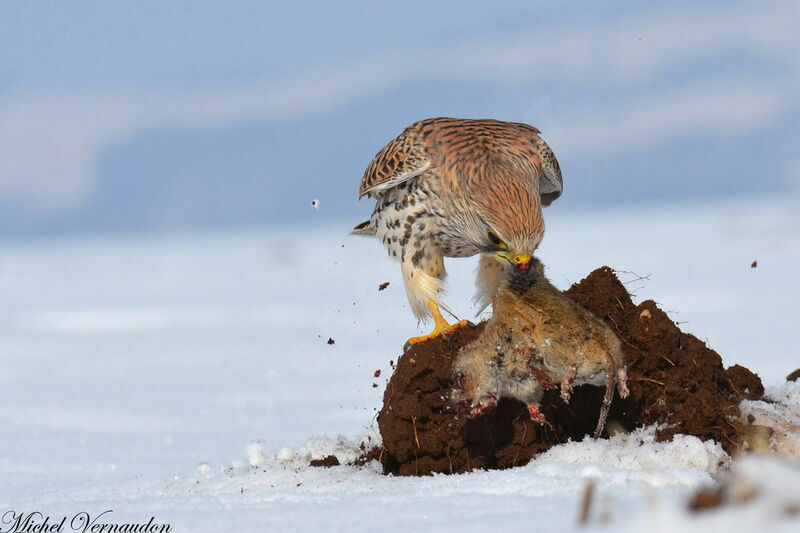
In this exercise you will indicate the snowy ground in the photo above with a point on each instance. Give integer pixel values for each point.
(136, 374)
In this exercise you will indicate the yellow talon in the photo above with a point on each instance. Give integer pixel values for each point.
(441, 327)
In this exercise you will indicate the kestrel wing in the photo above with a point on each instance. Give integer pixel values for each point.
(399, 161)
(550, 183)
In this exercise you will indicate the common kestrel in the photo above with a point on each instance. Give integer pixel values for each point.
(455, 188)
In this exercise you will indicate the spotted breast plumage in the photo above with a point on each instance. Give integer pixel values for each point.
(450, 187)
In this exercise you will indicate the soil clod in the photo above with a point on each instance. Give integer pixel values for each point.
(326, 462)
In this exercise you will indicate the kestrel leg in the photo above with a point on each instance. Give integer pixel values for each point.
(423, 273)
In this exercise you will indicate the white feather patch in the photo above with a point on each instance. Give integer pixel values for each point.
(422, 287)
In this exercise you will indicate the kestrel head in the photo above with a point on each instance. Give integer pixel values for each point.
(512, 225)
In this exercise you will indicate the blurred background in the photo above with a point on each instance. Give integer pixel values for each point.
(171, 116)
(168, 290)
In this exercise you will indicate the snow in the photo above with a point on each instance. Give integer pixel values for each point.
(639, 452)
(781, 415)
(188, 377)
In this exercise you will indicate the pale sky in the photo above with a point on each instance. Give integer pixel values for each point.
(125, 116)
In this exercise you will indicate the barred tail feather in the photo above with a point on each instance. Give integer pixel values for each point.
(365, 228)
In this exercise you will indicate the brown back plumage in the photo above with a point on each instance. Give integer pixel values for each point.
(452, 147)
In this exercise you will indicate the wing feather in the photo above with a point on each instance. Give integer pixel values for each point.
(551, 185)
(401, 160)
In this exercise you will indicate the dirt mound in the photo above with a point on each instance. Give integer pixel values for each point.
(674, 379)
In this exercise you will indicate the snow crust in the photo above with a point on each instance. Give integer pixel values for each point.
(639, 452)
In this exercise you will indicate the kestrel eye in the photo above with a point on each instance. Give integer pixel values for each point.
(494, 239)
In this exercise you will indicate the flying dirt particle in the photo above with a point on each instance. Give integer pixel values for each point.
(315, 204)
(331, 341)
(377, 373)
(794, 376)
(754, 264)
(374, 385)
(383, 285)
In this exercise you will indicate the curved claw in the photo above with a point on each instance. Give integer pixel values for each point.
(441, 327)
(438, 331)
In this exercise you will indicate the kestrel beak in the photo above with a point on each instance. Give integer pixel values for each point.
(521, 261)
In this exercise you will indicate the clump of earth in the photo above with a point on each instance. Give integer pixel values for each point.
(675, 381)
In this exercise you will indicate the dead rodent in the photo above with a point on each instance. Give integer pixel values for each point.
(537, 338)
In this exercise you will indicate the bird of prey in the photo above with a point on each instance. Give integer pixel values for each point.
(449, 187)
